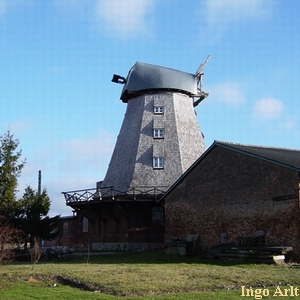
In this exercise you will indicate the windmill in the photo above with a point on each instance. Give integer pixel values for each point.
(159, 123)
(159, 140)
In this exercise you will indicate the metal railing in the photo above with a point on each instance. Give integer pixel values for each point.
(111, 193)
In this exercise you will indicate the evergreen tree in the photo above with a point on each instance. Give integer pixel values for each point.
(10, 170)
(31, 216)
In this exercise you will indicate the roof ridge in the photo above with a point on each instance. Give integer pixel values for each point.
(255, 146)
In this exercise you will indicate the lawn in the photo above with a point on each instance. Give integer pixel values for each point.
(142, 276)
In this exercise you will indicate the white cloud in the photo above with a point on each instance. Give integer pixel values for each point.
(56, 69)
(126, 17)
(219, 14)
(118, 18)
(21, 127)
(3, 7)
(90, 153)
(289, 124)
(268, 109)
(227, 11)
(70, 165)
(81, 8)
(71, 3)
(228, 93)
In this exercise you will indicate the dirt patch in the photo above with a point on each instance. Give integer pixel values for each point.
(74, 284)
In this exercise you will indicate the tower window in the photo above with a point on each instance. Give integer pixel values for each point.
(158, 133)
(159, 110)
(158, 162)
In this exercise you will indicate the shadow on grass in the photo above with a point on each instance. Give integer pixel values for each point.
(144, 258)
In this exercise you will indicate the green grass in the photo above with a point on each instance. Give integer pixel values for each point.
(140, 276)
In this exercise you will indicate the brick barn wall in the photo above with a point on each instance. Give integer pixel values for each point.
(113, 222)
(71, 239)
(232, 193)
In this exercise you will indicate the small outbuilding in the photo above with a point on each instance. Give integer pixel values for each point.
(238, 194)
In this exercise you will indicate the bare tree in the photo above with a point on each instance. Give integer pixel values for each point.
(9, 237)
(35, 252)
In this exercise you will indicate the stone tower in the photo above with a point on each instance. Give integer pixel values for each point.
(160, 136)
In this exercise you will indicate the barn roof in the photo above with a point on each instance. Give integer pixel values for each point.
(288, 158)
(144, 77)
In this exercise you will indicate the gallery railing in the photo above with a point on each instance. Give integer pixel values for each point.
(113, 193)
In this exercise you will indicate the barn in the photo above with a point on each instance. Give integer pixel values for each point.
(237, 194)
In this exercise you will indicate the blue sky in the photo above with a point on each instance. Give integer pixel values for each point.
(57, 58)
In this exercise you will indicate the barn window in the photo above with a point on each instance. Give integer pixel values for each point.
(157, 215)
(224, 238)
(85, 224)
(65, 228)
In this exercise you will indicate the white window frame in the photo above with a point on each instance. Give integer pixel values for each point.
(158, 162)
(159, 110)
(158, 133)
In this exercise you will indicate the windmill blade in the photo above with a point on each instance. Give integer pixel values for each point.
(202, 66)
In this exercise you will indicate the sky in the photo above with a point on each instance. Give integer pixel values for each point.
(57, 58)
